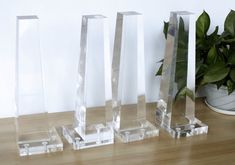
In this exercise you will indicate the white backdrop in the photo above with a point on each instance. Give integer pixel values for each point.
(60, 22)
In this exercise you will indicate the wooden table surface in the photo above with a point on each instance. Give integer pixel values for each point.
(215, 148)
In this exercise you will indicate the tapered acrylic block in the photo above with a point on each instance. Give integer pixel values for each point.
(34, 133)
(128, 80)
(93, 108)
(176, 105)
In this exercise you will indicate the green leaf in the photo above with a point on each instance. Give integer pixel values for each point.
(190, 94)
(181, 74)
(220, 83)
(231, 59)
(159, 72)
(202, 25)
(199, 64)
(181, 26)
(229, 23)
(230, 86)
(165, 29)
(212, 55)
(224, 36)
(183, 92)
(201, 71)
(225, 51)
(228, 40)
(200, 43)
(212, 39)
(215, 33)
(215, 72)
(232, 74)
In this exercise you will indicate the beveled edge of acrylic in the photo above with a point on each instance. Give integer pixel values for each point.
(129, 13)
(94, 16)
(27, 17)
(182, 12)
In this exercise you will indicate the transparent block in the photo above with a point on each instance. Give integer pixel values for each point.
(128, 80)
(93, 110)
(34, 133)
(176, 107)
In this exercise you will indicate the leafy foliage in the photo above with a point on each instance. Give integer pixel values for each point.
(215, 53)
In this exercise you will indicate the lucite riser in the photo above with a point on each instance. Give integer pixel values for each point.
(29, 145)
(143, 131)
(195, 128)
(95, 137)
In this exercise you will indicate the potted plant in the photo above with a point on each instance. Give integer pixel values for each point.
(215, 63)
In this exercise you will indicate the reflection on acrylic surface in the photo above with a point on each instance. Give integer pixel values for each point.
(130, 123)
(38, 137)
(92, 120)
(176, 107)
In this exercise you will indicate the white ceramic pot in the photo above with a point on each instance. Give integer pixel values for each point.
(219, 100)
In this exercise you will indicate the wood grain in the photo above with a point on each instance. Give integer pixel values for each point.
(216, 148)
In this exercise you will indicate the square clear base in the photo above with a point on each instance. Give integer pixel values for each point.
(185, 130)
(142, 131)
(39, 143)
(93, 138)
(196, 128)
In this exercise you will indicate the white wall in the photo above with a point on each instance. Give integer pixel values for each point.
(60, 22)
